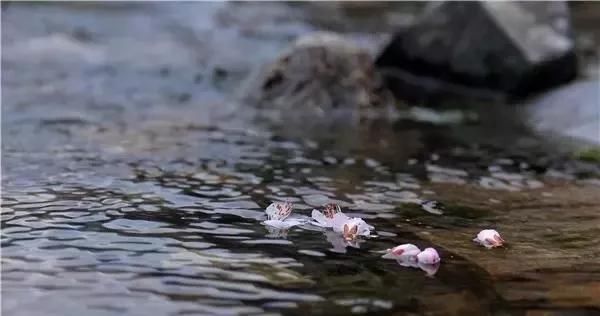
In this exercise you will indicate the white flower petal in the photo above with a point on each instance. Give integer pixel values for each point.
(320, 219)
(404, 251)
(489, 238)
(428, 256)
(337, 241)
(363, 228)
(341, 219)
(295, 221)
(319, 224)
(279, 211)
(271, 210)
(338, 222)
(389, 255)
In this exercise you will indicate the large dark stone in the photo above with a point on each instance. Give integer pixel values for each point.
(516, 48)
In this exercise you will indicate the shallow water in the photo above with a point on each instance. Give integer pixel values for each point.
(132, 183)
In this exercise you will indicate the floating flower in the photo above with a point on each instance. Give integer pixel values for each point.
(405, 251)
(489, 238)
(407, 255)
(428, 256)
(279, 211)
(278, 215)
(325, 218)
(350, 227)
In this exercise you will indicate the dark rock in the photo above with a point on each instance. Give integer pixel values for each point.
(516, 48)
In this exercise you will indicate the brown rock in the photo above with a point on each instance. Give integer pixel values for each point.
(319, 71)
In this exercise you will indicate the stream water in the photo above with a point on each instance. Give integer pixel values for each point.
(133, 184)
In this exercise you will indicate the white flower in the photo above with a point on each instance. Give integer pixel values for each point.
(325, 218)
(332, 216)
(350, 227)
(489, 238)
(410, 256)
(279, 211)
(405, 251)
(278, 215)
(428, 256)
(338, 221)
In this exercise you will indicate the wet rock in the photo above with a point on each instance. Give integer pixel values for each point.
(319, 71)
(515, 48)
(573, 111)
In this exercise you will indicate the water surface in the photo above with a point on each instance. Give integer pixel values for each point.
(133, 182)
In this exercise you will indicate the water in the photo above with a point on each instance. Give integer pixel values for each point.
(132, 183)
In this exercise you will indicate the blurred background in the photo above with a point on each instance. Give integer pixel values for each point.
(141, 142)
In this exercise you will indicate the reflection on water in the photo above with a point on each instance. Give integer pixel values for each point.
(119, 197)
